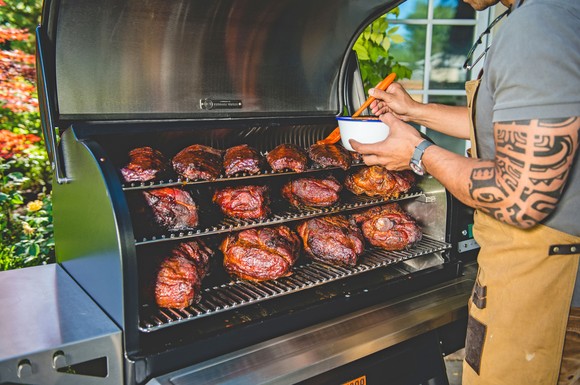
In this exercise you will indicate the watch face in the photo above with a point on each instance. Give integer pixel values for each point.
(416, 168)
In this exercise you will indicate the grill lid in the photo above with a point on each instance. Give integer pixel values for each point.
(136, 59)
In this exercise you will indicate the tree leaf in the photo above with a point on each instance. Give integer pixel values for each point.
(393, 29)
(397, 39)
(377, 37)
(361, 52)
(386, 44)
(33, 249)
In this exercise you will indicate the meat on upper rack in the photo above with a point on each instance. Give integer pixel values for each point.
(388, 227)
(332, 239)
(198, 162)
(244, 202)
(287, 156)
(240, 159)
(145, 163)
(316, 192)
(261, 254)
(173, 208)
(180, 275)
(330, 155)
(378, 181)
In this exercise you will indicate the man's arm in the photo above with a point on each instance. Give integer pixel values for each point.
(524, 182)
(450, 120)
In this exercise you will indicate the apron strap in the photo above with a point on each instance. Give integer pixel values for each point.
(565, 249)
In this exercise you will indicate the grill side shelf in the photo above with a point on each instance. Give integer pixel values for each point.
(232, 224)
(236, 294)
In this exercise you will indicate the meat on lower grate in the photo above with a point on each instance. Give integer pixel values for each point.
(260, 254)
(180, 275)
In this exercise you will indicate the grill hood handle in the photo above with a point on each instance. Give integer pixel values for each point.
(47, 122)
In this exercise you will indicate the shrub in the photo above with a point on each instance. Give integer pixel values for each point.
(26, 233)
(372, 48)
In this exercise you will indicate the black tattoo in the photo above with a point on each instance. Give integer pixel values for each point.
(525, 181)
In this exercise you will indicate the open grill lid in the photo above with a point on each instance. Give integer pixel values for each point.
(198, 59)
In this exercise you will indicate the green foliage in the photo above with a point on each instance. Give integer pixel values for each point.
(372, 48)
(21, 14)
(26, 230)
(20, 123)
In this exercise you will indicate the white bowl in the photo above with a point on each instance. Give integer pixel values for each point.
(364, 129)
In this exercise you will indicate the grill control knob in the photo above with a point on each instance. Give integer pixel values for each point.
(24, 369)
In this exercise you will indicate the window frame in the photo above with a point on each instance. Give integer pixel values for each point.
(480, 22)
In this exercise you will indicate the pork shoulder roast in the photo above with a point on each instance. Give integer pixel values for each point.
(145, 163)
(240, 159)
(332, 239)
(330, 155)
(173, 208)
(378, 181)
(198, 162)
(316, 192)
(180, 275)
(287, 157)
(260, 254)
(244, 202)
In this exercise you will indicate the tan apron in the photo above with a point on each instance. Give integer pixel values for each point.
(520, 303)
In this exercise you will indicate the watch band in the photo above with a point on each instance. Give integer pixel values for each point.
(416, 164)
(420, 149)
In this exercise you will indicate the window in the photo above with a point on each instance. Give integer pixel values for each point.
(438, 34)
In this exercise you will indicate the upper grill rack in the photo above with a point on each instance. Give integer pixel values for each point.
(240, 293)
(179, 181)
(230, 224)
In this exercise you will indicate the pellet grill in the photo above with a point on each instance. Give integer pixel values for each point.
(114, 75)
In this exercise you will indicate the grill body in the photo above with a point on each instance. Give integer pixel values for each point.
(233, 72)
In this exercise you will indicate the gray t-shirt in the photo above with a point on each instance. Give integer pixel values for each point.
(532, 71)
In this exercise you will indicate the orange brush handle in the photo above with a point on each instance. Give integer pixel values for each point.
(383, 85)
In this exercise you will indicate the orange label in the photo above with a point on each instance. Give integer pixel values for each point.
(362, 380)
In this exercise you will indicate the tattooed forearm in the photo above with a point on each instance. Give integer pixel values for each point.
(526, 179)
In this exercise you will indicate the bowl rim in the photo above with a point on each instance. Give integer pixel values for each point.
(359, 118)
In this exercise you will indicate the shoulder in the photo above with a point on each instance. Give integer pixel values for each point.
(536, 49)
(542, 20)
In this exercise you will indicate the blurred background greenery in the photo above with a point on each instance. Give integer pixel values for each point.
(26, 237)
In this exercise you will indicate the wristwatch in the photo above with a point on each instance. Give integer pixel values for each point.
(416, 164)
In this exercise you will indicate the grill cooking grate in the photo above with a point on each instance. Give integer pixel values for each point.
(227, 225)
(180, 181)
(241, 293)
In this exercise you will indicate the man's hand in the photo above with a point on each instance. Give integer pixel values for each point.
(396, 150)
(394, 100)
